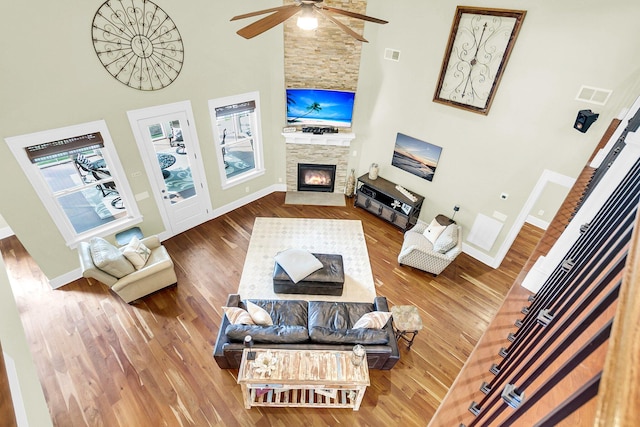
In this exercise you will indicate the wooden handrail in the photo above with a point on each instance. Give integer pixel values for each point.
(619, 391)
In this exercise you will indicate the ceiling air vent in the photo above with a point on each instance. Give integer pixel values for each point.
(392, 55)
(593, 95)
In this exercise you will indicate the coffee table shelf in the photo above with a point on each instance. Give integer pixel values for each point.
(304, 378)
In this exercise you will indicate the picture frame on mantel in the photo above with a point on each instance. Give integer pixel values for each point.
(480, 43)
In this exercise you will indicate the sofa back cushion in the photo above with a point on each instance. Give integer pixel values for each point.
(332, 323)
(276, 334)
(289, 323)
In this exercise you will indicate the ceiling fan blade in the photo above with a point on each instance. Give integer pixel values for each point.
(262, 12)
(342, 26)
(353, 15)
(268, 22)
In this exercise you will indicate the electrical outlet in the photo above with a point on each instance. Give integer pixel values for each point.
(246, 189)
(541, 212)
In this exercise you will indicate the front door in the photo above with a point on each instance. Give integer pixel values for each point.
(168, 144)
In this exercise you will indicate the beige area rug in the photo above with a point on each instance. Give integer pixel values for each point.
(330, 236)
(313, 198)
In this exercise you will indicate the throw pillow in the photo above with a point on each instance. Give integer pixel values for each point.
(298, 263)
(109, 259)
(447, 240)
(238, 316)
(259, 315)
(433, 231)
(137, 253)
(373, 320)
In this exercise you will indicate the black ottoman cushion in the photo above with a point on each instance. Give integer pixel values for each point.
(329, 280)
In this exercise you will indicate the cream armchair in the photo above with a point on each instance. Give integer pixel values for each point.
(417, 251)
(130, 283)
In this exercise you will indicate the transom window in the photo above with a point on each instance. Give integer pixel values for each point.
(76, 173)
(238, 137)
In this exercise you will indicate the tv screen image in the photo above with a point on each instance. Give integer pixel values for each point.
(320, 107)
(415, 156)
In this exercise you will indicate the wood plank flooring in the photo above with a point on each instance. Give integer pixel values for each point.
(102, 362)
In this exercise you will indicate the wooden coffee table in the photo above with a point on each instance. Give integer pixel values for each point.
(311, 378)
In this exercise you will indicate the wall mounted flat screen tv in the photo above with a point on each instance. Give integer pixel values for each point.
(320, 107)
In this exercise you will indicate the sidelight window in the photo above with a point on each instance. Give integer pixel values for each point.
(238, 137)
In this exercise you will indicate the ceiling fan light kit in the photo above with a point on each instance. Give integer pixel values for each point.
(308, 20)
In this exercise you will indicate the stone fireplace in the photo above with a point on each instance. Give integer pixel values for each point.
(328, 149)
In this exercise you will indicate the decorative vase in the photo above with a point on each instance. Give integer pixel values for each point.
(351, 184)
(373, 171)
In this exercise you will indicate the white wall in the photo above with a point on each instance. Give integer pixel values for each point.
(28, 396)
(51, 77)
(530, 125)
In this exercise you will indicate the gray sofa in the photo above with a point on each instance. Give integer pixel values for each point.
(299, 324)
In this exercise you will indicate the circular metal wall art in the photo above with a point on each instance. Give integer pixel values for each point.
(137, 43)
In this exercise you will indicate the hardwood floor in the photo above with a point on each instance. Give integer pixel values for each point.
(103, 362)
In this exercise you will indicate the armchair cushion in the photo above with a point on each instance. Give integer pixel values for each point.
(434, 230)
(109, 259)
(136, 252)
(447, 240)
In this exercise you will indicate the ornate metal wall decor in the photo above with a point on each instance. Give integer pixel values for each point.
(137, 43)
(479, 46)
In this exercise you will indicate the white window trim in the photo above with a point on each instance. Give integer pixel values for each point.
(31, 170)
(259, 169)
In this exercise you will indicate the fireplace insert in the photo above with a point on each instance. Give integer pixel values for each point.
(313, 177)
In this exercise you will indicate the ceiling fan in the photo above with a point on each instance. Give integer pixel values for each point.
(308, 10)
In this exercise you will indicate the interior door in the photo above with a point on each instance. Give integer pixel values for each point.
(169, 147)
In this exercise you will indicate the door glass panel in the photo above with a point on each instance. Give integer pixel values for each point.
(173, 160)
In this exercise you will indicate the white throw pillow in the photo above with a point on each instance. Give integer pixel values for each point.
(448, 240)
(373, 320)
(259, 315)
(298, 263)
(109, 259)
(433, 231)
(137, 253)
(238, 316)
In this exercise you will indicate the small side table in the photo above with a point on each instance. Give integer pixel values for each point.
(406, 321)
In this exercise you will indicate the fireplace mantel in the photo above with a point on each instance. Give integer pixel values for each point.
(339, 139)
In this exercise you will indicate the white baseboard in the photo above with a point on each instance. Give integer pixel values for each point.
(66, 278)
(480, 256)
(6, 232)
(247, 199)
(537, 222)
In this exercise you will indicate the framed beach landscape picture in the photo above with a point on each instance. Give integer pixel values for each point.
(415, 156)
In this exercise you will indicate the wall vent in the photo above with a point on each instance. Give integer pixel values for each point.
(593, 95)
(392, 54)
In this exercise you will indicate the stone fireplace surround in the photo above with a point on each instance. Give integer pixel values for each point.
(331, 149)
